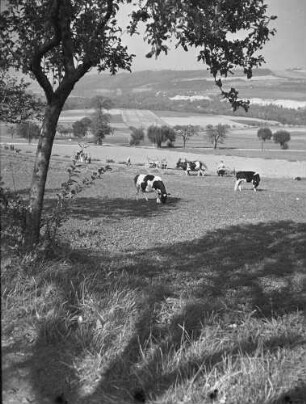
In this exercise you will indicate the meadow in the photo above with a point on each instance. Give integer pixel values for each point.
(200, 300)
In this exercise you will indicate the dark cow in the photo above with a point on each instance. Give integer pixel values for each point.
(188, 166)
(247, 176)
(150, 183)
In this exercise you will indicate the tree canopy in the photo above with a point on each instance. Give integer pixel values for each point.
(80, 127)
(217, 134)
(16, 103)
(100, 126)
(186, 132)
(264, 134)
(137, 135)
(282, 137)
(160, 134)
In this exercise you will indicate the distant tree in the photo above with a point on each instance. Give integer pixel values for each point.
(64, 130)
(11, 130)
(282, 137)
(81, 127)
(137, 135)
(264, 134)
(169, 134)
(86, 122)
(79, 130)
(217, 134)
(28, 130)
(186, 132)
(99, 102)
(160, 134)
(100, 126)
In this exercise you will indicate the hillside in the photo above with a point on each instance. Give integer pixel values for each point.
(265, 83)
(274, 95)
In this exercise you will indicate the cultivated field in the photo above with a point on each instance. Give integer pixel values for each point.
(197, 301)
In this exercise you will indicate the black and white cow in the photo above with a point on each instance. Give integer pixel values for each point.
(188, 166)
(247, 176)
(150, 183)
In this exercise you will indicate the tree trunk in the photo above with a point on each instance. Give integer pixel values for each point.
(41, 166)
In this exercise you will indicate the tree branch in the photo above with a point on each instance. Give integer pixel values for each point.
(35, 65)
(65, 31)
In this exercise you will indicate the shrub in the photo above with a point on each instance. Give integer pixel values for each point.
(160, 134)
(13, 211)
(137, 135)
(282, 137)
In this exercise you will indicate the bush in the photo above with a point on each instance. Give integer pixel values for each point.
(137, 135)
(282, 137)
(13, 217)
(160, 134)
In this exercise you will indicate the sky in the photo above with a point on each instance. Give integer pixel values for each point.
(286, 50)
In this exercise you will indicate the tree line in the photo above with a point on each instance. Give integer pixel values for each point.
(158, 135)
(216, 135)
(282, 137)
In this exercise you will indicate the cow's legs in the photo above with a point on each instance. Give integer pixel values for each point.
(137, 195)
(145, 196)
(238, 184)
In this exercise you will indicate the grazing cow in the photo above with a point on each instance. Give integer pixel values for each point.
(150, 183)
(188, 166)
(247, 176)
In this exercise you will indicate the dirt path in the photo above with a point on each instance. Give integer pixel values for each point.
(266, 167)
(269, 168)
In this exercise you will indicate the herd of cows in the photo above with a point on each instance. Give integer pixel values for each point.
(146, 183)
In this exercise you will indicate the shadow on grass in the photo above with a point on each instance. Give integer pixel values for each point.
(296, 395)
(116, 208)
(245, 268)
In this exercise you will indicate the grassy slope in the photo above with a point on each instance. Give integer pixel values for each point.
(202, 296)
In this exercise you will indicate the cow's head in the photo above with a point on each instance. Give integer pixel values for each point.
(162, 197)
(256, 180)
(181, 163)
(161, 191)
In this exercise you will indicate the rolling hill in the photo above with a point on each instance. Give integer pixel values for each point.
(290, 84)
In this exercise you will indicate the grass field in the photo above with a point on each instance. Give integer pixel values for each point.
(201, 300)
